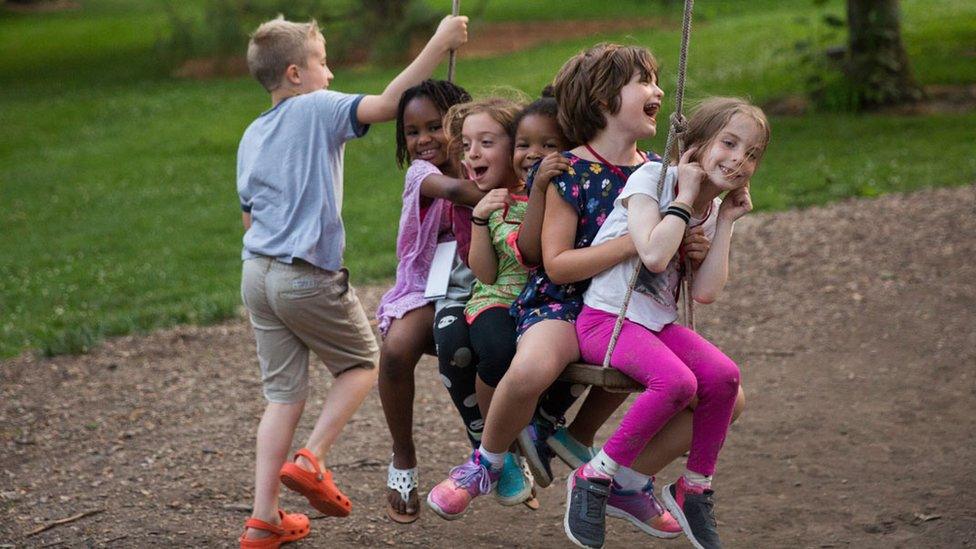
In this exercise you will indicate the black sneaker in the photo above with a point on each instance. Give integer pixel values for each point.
(694, 512)
(533, 447)
(585, 521)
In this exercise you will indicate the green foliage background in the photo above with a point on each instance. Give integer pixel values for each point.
(117, 182)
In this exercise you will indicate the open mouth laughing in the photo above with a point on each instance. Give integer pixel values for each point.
(479, 171)
(651, 110)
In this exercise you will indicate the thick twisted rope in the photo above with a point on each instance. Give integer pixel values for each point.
(677, 127)
(452, 59)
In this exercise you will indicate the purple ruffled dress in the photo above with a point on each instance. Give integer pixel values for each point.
(420, 232)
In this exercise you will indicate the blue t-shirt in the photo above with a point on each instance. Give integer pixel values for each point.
(289, 177)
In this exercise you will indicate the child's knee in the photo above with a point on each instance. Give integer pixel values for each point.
(740, 403)
(491, 373)
(395, 363)
(727, 373)
(523, 383)
(681, 388)
(459, 356)
(492, 365)
(723, 379)
(364, 374)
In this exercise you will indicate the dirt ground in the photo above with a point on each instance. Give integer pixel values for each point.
(853, 325)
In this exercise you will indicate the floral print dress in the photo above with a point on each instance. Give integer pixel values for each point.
(590, 188)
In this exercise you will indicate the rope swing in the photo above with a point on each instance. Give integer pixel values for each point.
(611, 379)
(452, 59)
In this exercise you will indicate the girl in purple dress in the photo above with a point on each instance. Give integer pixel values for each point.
(405, 316)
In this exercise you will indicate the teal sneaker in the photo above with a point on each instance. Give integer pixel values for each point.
(513, 487)
(571, 451)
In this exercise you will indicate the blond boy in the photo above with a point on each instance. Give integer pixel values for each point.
(289, 179)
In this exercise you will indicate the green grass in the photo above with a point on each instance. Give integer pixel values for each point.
(120, 210)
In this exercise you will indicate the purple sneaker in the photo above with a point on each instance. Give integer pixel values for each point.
(451, 498)
(643, 510)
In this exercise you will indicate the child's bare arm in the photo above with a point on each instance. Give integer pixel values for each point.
(530, 233)
(450, 35)
(564, 263)
(458, 191)
(246, 220)
(656, 238)
(481, 257)
(714, 272)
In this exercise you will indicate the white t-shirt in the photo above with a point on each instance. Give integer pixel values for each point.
(654, 301)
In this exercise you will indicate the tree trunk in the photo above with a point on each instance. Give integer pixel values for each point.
(877, 65)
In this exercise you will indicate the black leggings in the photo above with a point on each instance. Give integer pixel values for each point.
(493, 338)
(456, 361)
(557, 399)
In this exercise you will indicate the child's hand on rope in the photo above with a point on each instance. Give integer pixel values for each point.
(736, 204)
(452, 32)
(496, 199)
(690, 176)
(552, 165)
(695, 246)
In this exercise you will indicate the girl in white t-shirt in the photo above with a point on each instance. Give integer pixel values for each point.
(725, 140)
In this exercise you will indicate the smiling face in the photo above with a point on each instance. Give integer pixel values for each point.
(423, 131)
(640, 101)
(315, 75)
(731, 157)
(487, 151)
(537, 135)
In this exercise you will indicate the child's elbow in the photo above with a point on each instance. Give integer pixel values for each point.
(705, 298)
(557, 276)
(453, 193)
(656, 265)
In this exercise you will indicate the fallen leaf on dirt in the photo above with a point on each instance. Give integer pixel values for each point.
(922, 517)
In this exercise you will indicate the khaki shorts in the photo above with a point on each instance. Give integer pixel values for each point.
(297, 307)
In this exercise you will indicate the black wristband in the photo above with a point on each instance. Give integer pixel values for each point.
(479, 221)
(679, 213)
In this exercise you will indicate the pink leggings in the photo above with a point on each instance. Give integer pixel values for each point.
(674, 365)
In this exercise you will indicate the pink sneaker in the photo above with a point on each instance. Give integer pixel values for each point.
(451, 498)
(643, 510)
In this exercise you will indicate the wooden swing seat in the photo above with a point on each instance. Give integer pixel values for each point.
(609, 379)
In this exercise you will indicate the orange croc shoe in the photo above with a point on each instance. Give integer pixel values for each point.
(293, 527)
(317, 487)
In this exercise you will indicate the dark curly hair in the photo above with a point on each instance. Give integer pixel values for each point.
(441, 93)
(544, 106)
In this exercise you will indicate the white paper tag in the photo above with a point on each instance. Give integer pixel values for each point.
(440, 270)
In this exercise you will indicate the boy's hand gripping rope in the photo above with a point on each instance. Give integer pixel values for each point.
(677, 127)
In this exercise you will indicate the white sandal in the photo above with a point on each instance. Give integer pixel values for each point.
(403, 481)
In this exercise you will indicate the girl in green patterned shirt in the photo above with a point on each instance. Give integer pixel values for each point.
(502, 143)
(532, 133)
